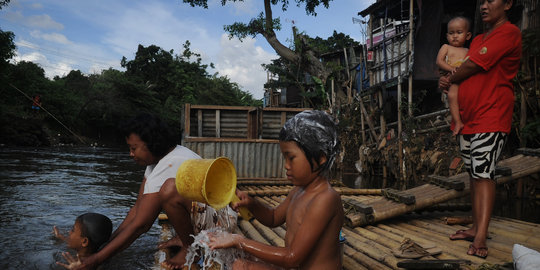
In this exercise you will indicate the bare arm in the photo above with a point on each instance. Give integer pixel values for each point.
(144, 213)
(319, 214)
(441, 59)
(131, 213)
(58, 234)
(466, 70)
(268, 216)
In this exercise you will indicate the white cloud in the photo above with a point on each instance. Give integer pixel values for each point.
(34, 21)
(36, 5)
(241, 62)
(245, 7)
(154, 24)
(53, 37)
(51, 69)
(44, 21)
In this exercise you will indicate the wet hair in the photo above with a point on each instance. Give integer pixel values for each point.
(96, 227)
(467, 21)
(158, 137)
(315, 132)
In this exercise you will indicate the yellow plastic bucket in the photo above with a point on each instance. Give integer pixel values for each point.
(210, 181)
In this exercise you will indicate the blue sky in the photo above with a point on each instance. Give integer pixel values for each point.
(93, 35)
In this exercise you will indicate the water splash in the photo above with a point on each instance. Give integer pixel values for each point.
(211, 259)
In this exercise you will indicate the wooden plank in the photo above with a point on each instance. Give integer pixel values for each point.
(199, 123)
(218, 124)
(219, 107)
(187, 120)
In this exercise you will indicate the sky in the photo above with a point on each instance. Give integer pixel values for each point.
(91, 36)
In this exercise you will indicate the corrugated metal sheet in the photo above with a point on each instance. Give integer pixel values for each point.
(251, 159)
(234, 124)
(271, 123)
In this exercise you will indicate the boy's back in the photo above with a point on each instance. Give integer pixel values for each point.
(316, 210)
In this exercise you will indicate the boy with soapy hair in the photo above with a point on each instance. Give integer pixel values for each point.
(312, 210)
(450, 57)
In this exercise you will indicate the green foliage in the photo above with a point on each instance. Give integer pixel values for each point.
(155, 81)
(3, 3)
(530, 134)
(7, 47)
(255, 26)
(334, 43)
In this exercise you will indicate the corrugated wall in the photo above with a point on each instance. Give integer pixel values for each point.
(251, 159)
(233, 123)
(272, 123)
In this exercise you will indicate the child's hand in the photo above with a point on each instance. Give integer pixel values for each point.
(244, 200)
(444, 83)
(223, 240)
(57, 233)
(72, 263)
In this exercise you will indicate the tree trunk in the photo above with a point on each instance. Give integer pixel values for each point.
(314, 66)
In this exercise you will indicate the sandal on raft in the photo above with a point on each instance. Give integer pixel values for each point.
(413, 250)
(462, 235)
(476, 250)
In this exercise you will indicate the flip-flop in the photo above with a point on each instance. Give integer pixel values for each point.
(462, 235)
(475, 251)
(413, 250)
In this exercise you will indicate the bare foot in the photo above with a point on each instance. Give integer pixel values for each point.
(176, 262)
(173, 242)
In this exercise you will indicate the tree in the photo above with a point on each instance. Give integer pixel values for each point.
(7, 47)
(4, 3)
(265, 24)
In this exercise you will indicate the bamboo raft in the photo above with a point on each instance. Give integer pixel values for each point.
(378, 221)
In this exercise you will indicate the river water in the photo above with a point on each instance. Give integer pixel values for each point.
(43, 187)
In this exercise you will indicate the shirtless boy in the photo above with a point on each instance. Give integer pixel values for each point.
(312, 211)
(89, 232)
(451, 56)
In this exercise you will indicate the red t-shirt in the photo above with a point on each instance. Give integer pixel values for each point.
(486, 99)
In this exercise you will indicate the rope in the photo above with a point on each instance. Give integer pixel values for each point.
(28, 97)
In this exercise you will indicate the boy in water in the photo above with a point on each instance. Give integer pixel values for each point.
(312, 211)
(451, 56)
(89, 232)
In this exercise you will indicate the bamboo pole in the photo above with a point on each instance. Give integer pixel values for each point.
(503, 246)
(411, 54)
(372, 249)
(362, 122)
(401, 177)
(450, 246)
(363, 259)
(268, 234)
(251, 232)
(458, 249)
(350, 264)
(370, 123)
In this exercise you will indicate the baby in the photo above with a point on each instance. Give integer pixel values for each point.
(451, 56)
(88, 234)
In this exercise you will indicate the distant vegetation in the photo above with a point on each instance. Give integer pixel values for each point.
(155, 81)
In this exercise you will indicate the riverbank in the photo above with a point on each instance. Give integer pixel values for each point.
(36, 131)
